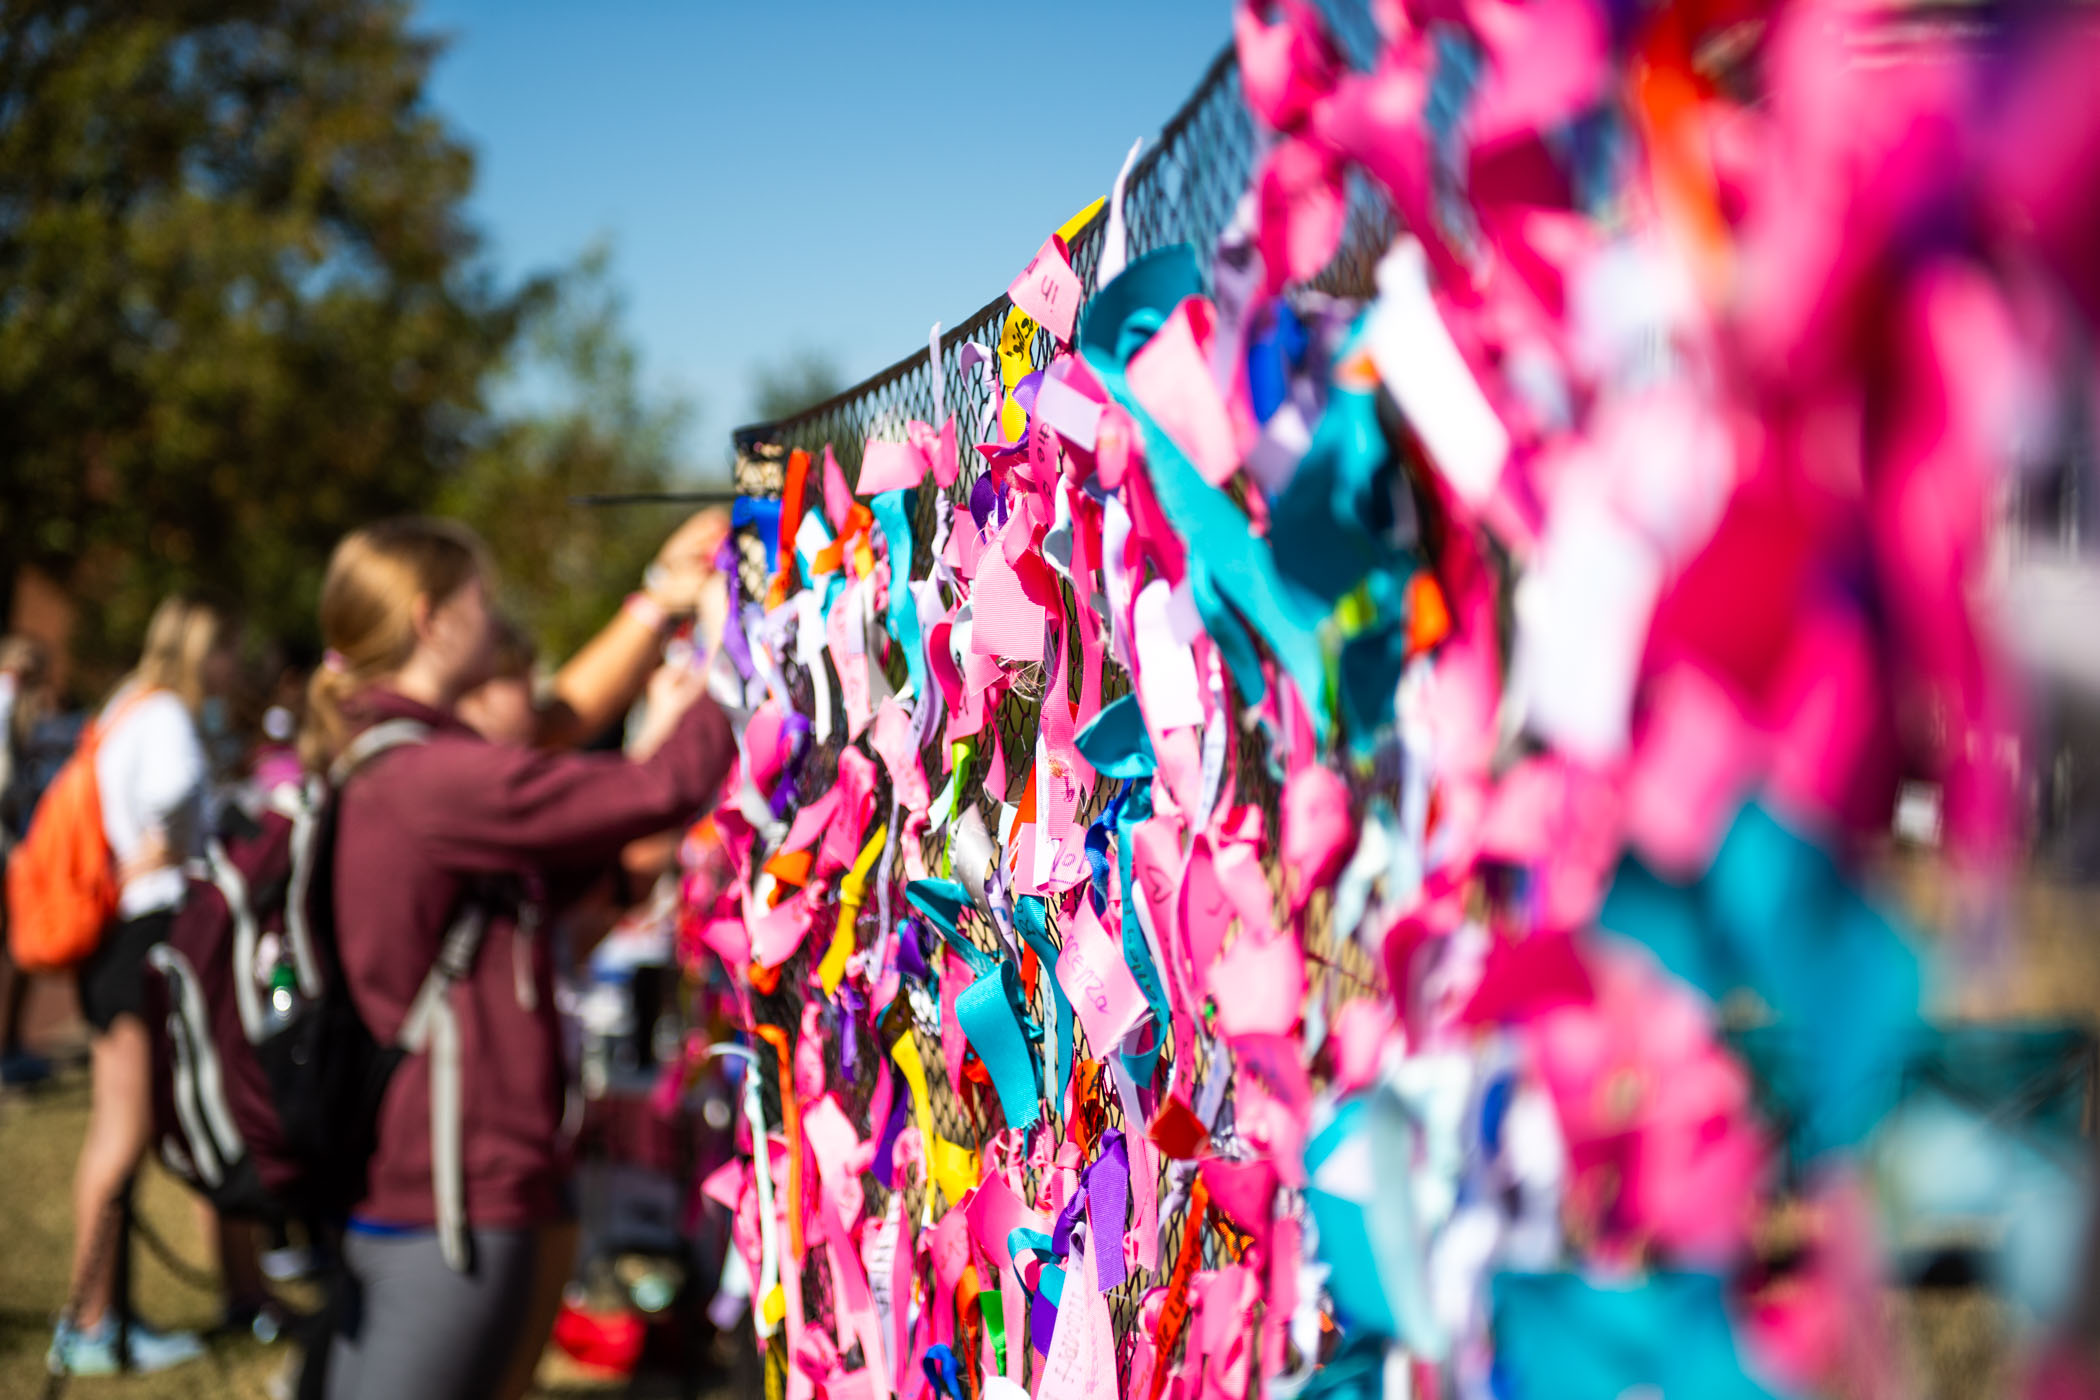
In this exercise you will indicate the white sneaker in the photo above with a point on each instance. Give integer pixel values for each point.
(289, 1264)
(93, 1351)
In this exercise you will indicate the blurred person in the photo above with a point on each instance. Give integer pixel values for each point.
(153, 780)
(275, 761)
(502, 709)
(602, 682)
(24, 695)
(420, 830)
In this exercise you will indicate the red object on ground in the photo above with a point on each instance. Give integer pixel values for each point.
(610, 1341)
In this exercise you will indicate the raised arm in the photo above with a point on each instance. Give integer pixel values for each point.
(603, 680)
(481, 806)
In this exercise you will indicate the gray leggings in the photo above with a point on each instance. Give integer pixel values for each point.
(420, 1331)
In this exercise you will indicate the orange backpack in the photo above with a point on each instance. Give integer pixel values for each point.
(62, 881)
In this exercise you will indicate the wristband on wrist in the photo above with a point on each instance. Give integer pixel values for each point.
(647, 611)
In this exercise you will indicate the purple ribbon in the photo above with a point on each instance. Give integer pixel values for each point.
(794, 750)
(911, 958)
(1104, 1190)
(1042, 1322)
(851, 1004)
(886, 1146)
(1108, 1197)
(984, 499)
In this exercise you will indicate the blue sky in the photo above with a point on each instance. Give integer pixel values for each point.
(799, 174)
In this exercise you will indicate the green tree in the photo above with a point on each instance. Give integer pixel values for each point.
(583, 424)
(241, 307)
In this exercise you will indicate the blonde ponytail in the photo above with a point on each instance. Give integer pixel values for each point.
(368, 615)
(183, 632)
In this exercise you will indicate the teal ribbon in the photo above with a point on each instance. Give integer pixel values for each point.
(986, 1010)
(1356, 1372)
(1774, 913)
(1375, 1250)
(991, 1010)
(1561, 1337)
(1335, 523)
(1367, 673)
(942, 902)
(1115, 741)
(1031, 921)
(1050, 1282)
(893, 513)
(1353, 1273)
(1232, 570)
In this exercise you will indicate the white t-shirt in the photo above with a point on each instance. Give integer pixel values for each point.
(150, 772)
(10, 684)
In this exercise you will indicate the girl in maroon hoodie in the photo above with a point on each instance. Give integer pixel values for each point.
(459, 1249)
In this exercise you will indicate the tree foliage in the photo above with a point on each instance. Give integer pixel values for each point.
(241, 306)
(589, 427)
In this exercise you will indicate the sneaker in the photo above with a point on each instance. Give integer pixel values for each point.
(266, 1321)
(289, 1264)
(92, 1351)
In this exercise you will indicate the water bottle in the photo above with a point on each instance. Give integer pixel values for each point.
(280, 987)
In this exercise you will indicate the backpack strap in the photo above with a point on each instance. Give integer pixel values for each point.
(373, 742)
(433, 1025)
(309, 812)
(247, 936)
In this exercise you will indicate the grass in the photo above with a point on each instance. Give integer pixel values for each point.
(40, 1136)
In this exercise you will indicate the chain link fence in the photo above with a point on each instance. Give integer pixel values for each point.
(1186, 187)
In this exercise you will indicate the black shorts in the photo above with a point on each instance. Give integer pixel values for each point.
(113, 977)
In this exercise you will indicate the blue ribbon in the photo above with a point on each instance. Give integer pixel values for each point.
(1133, 806)
(1097, 865)
(751, 512)
(942, 1371)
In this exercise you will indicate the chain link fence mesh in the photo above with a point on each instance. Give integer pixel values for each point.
(1186, 187)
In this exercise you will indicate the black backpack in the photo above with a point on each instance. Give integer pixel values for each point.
(266, 1081)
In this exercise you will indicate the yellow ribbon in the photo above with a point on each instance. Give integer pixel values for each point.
(852, 893)
(1018, 335)
(1014, 366)
(1072, 226)
(951, 1167)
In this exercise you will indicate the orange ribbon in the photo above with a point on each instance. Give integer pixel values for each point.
(791, 493)
(1174, 1312)
(791, 1120)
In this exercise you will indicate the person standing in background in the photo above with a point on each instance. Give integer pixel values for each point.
(153, 778)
